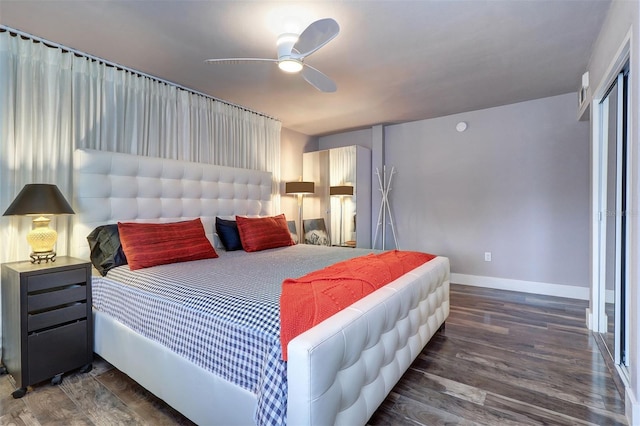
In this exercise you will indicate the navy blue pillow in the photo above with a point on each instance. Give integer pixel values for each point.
(106, 250)
(228, 232)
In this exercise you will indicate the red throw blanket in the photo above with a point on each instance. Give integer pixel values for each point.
(311, 299)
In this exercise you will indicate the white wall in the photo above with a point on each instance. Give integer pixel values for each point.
(515, 183)
(356, 137)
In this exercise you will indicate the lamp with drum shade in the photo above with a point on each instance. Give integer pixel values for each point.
(341, 191)
(299, 188)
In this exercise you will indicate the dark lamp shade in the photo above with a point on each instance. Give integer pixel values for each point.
(341, 190)
(39, 199)
(299, 187)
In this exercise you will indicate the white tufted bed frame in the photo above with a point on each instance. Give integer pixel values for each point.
(338, 372)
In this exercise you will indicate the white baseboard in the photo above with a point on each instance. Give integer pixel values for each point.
(547, 289)
(589, 318)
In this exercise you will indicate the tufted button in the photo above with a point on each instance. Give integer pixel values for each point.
(112, 187)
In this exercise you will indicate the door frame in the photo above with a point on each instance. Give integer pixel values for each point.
(597, 319)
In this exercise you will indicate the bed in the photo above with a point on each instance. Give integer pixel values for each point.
(337, 372)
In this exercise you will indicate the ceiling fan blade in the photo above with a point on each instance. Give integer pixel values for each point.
(238, 60)
(318, 79)
(315, 36)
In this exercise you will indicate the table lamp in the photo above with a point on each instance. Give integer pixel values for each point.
(40, 200)
(299, 188)
(341, 191)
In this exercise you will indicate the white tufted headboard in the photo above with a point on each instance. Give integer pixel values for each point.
(111, 187)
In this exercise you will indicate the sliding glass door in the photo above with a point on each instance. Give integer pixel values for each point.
(613, 216)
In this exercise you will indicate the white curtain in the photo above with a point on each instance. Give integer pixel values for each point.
(52, 102)
(117, 110)
(342, 171)
(35, 133)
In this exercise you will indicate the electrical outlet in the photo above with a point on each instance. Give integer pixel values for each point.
(487, 256)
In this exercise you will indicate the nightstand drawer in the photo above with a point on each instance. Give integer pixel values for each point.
(56, 316)
(58, 350)
(56, 279)
(37, 302)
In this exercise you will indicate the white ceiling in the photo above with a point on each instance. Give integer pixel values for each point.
(393, 61)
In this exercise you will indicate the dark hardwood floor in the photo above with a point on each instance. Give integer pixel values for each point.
(505, 358)
(508, 358)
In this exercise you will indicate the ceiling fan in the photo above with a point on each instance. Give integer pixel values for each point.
(293, 49)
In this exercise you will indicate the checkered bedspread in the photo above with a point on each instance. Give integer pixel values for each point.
(222, 314)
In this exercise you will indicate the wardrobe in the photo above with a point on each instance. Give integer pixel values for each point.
(342, 178)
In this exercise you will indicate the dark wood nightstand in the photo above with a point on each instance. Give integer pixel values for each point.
(47, 325)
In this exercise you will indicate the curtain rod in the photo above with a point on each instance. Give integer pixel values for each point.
(52, 44)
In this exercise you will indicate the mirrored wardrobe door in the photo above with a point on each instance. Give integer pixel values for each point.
(613, 124)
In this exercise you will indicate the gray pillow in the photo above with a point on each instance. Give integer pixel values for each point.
(106, 250)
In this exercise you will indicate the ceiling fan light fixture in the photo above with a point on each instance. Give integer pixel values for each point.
(290, 65)
(293, 49)
(288, 39)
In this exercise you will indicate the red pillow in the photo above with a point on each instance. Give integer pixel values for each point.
(263, 232)
(150, 244)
